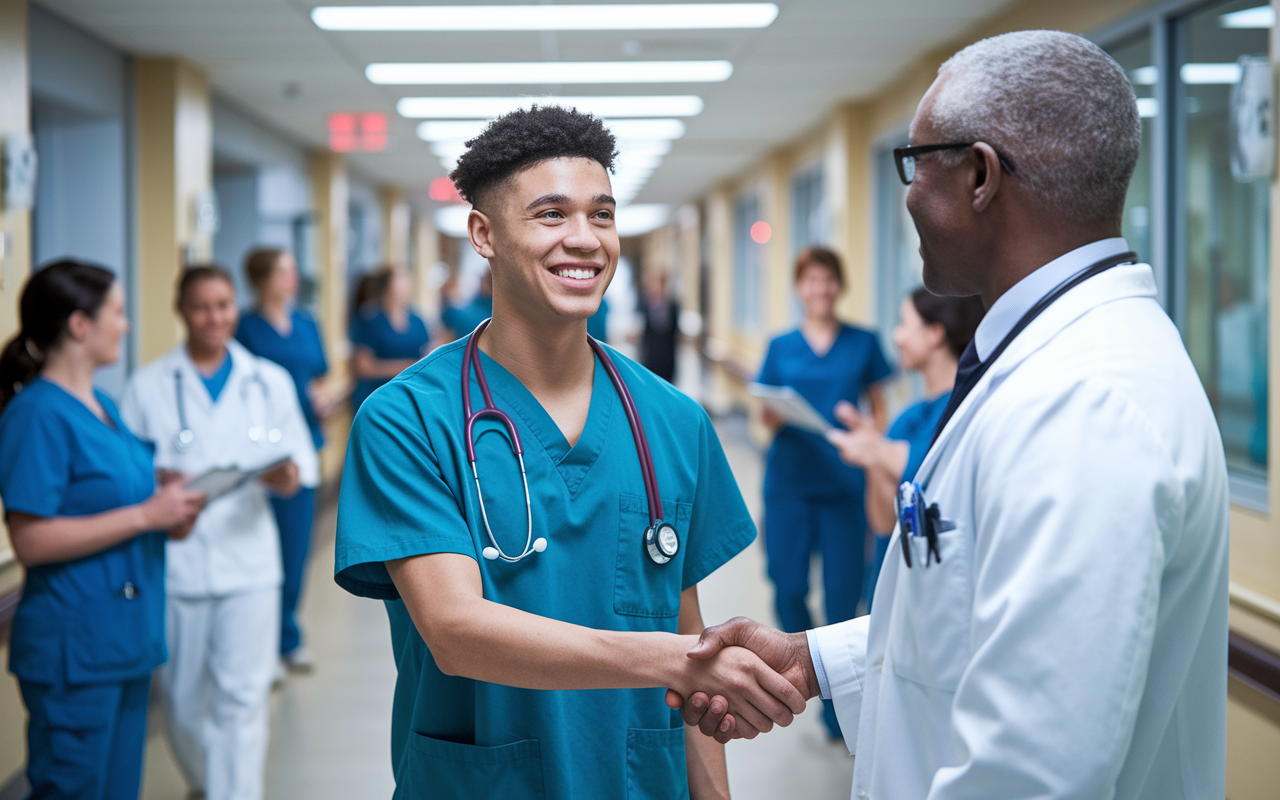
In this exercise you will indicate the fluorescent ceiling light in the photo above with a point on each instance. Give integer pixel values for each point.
(1148, 107)
(1145, 76)
(551, 72)
(1210, 73)
(1259, 17)
(531, 17)
(626, 130)
(486, 107)
(642, 218)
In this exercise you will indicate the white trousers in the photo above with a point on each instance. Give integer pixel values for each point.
(222, 658)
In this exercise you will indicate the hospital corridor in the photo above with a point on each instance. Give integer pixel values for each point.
(639, 399)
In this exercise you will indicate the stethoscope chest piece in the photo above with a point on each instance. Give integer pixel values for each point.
(661, 542)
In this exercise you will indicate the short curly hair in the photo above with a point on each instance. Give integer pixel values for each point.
(524, 138)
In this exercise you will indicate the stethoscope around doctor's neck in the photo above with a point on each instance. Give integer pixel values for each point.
(185, 439)
(660, 539)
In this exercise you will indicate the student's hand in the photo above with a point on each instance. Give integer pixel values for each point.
(283, 480)
(771, 419)
(857, 445)
(757, 695)
(785, 653)
(173, 508)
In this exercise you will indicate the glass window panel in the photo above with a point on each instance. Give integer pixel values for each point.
(746, 265)
(810, 221)
(900, 267)
(1135, 55)
(1221, 232)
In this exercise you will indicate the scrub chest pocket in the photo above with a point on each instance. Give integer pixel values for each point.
(444, 770)
(641, 587)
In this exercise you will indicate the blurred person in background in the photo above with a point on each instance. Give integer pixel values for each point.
(463, 319)
(813, 502)
(88, 524)
(661, 316)
(932, 332)
(277, 330)
(210, 403)
(387, 336)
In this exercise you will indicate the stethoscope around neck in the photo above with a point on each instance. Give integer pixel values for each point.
(258, 434)
(661, 541)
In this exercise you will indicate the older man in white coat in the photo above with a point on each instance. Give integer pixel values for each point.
(1060, 630)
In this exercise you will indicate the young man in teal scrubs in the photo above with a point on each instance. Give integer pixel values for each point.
(487, 648)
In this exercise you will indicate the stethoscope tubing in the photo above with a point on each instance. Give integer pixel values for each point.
(186, 436)
(471, 363)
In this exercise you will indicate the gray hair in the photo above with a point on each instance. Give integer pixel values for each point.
(1056, 106)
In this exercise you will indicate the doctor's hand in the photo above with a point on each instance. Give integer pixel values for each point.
(758, 696)
(785, 653)
(283, 480)
(173, 508)
(859, 443)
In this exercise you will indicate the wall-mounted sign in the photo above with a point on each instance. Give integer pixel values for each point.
(350, 132)
(19, 165)
(1252, 122)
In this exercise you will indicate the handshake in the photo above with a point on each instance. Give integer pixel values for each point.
(742, 678)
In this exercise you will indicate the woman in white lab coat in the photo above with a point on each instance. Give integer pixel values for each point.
(210, 404)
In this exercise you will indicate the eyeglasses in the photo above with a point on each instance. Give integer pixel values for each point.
(905, 158)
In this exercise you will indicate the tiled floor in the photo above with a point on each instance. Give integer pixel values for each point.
(330, 730)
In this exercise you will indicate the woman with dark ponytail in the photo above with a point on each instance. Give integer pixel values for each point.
(88, 523)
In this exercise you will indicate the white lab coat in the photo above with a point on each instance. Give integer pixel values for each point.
(1072, 643)
(235, 546)
(223, 615)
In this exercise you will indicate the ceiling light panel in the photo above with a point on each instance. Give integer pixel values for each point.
(471, 108)
(681, 16)
(551, 72)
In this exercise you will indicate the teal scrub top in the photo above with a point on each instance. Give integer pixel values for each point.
(407, 489)
(462, 320)
(800, 463)
(100, 618)
(375, 331)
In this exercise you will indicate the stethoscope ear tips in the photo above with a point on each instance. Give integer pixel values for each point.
(490, 553)
(539, 545)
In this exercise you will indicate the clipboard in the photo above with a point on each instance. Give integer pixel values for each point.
(792, 407)
(222, 481)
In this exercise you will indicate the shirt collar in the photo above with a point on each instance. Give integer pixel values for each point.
(1015, 303)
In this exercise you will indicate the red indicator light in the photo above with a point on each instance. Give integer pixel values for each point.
(761, 232)
(442, 189)
(348, 132)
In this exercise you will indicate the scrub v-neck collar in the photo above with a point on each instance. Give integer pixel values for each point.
(572, 462)
(110, 423)
(819, 356)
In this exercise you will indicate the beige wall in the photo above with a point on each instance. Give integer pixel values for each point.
(329, 199)
(15, 265)
(175, 167)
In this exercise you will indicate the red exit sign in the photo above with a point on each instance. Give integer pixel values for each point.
(350, 132)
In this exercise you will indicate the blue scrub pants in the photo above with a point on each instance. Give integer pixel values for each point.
(294, 516)
(795, 528)
(86, 742)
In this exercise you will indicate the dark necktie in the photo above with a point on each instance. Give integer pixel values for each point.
(967, 376)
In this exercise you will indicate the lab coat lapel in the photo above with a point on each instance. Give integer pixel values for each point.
(1117, 283)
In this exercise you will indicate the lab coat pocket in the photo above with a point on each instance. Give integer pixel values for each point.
(929, 631)
(641, 587)
(443, 770)
(656, 764)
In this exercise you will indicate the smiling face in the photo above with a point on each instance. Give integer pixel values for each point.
(209, 311)
(550, 238)
(916, 339)
(818, 286)
(282, 284)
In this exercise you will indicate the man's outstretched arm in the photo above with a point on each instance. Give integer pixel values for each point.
(487, 641)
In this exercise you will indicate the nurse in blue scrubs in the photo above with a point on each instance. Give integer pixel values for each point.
(279, 331)
(463, 319)
(88, 523)
(386, 335)
(932, 333)
(812, 501)
(494, 621)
